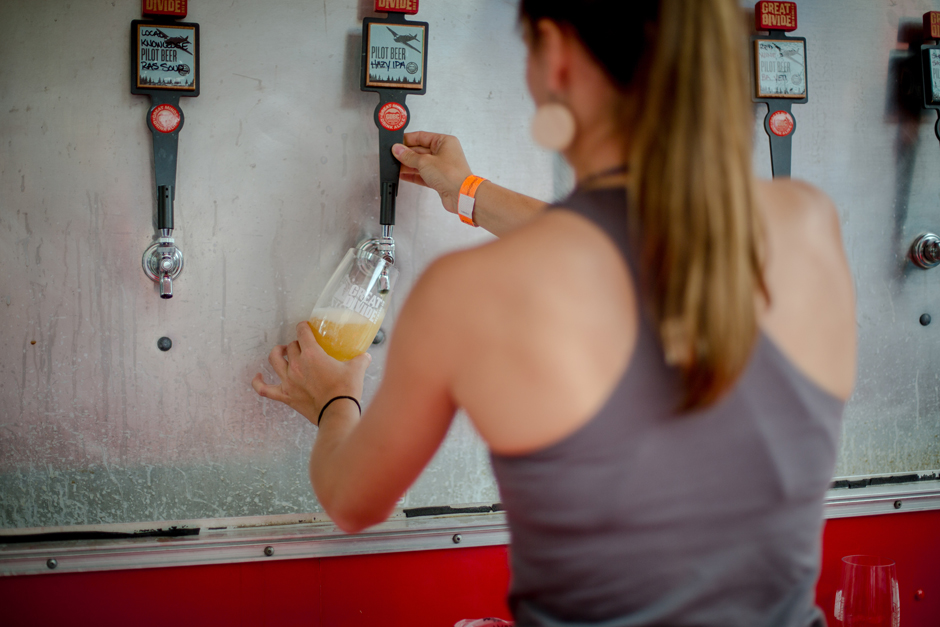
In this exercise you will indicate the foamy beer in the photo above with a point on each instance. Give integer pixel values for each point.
(351, 307)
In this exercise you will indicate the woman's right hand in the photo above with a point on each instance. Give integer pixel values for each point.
(435, 161)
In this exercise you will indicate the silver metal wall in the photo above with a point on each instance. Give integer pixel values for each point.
(278, 175)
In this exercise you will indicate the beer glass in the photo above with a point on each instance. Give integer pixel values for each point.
(869, 592)
(352, 306)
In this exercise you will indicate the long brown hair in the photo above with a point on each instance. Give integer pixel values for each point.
(693, 210)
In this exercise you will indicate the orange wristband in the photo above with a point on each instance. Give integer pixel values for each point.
(467, 199)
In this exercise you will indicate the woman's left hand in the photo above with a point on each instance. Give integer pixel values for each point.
(310, 377)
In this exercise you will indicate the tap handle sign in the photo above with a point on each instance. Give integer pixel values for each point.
(779, 76)
(165, 66)
(394, 65)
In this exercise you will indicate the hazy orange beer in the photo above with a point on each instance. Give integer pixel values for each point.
(351, 307)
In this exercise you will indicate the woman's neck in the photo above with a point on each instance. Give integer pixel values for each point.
(600, 148)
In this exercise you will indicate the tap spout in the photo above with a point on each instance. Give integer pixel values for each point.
(386, 248)
(383, 247)
(166, 286)
(163, 262)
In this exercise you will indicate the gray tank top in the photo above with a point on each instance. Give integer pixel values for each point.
(645, 517)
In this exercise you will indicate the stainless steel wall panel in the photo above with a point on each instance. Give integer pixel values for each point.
(278, 176)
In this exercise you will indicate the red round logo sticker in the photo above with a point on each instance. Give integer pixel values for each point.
(165, 118)
(393, 116)
(781, 123)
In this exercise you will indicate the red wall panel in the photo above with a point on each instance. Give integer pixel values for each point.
(257, 594)
(428, 588)
(912, 540)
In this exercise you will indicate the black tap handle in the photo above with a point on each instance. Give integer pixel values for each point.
(387, 211)
(389, 166)
(165, 150)
(780, 146)
(165, 207)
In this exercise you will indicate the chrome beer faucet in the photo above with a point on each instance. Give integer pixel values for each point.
(384, 247)
(163, 261)
(925, 251)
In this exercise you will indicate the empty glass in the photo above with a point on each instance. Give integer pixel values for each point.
(352, 306)
(869, 592)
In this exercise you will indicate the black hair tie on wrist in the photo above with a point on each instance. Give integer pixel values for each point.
(336, 398)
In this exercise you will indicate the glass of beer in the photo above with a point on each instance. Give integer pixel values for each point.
(352, 306)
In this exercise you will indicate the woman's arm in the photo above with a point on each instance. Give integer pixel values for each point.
(437, 161)
(359, 467)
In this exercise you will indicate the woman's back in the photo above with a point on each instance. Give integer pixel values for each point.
(551, 315)
(657, 518)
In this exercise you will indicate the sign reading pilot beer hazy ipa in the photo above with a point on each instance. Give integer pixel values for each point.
(780, 68)
(395, 55)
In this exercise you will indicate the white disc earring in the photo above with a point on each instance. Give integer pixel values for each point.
(553, 126)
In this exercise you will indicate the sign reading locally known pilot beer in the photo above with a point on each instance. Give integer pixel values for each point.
(166, 56)
(395, 55)
(780, 68)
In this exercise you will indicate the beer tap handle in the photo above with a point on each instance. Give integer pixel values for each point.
(389, 166)
(165, 207)
(387, 209)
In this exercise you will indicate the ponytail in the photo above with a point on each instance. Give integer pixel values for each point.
(698, 226)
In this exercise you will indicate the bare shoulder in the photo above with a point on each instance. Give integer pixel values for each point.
(812, 306)
(547, 312)
(554, 251)
(802, 224)
(794, 204)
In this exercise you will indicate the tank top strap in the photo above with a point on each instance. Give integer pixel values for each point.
(608, 208)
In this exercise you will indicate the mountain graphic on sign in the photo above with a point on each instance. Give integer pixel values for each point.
(166, 82)
(385, 79)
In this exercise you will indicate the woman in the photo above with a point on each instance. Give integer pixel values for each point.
(658, 365)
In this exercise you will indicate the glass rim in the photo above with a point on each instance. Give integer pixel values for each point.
(872, 561)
